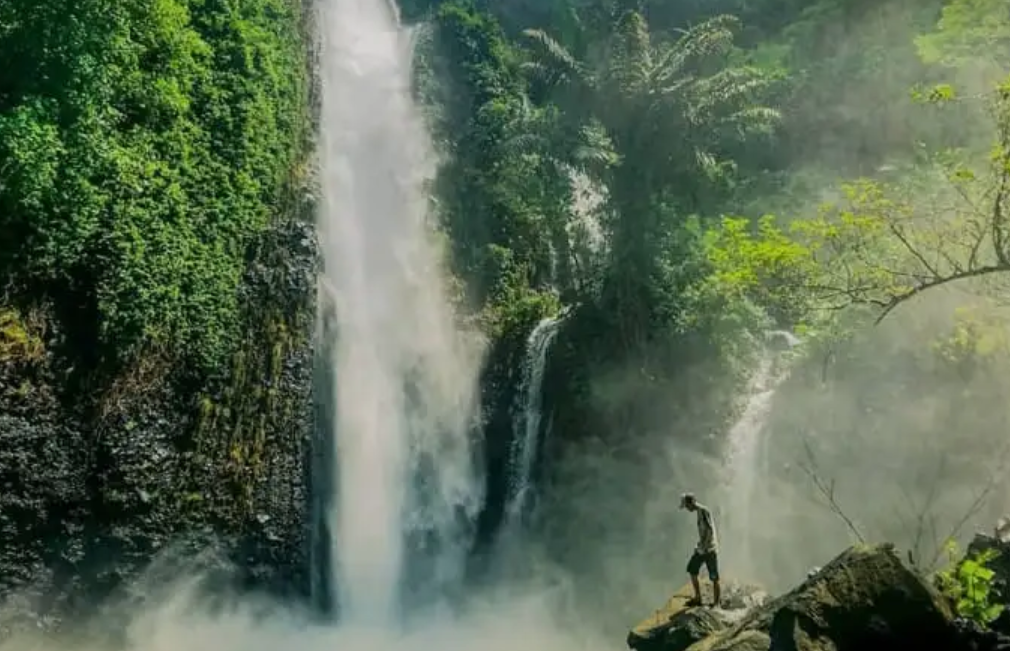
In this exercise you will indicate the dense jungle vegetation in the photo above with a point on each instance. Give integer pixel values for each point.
(157, 285)
(687, 176)
(144, 148)
(684, 175)
(660, 165)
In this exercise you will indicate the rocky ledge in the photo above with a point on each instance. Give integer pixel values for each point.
(866, 599)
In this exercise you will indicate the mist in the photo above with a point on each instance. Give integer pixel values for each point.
(900, 429)
(183, 604)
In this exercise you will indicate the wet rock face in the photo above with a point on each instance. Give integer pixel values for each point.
(688, 627)
(99, 478)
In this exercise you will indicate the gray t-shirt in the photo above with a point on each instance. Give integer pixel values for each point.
(707, 539)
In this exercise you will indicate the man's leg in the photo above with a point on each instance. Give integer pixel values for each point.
(712, 562)
(693, 567)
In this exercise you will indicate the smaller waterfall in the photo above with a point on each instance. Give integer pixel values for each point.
(746, 467)
(526, 425)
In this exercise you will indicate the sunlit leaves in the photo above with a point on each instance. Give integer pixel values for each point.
(762, 263)
(969, 584)
(935, 94)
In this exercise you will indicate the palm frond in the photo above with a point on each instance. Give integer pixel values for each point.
(752, 120)
(595, 146)
(631, 62)
(714, 36)
(711, 166)
(728, 90)
(552, 55)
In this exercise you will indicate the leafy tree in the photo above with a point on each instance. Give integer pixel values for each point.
(145, 145)
(887, 243)
(970, 32)
(506, 191)
(764, 266)
(673, 112)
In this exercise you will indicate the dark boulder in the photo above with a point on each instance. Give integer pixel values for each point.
(866, 599)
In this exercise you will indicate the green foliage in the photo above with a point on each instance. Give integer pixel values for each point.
(673, 110)
(968, 584)
(19, 340)
(763, 265)
(978, 339)
(969, 31)
(677, 119)
(934, 95)
(495, 196)
(513, 304)
(145, 146)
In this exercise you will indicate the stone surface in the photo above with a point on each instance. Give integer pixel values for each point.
(676, 625)
(99, 478)
(866, 599)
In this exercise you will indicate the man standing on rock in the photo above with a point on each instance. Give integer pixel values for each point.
(706, 552)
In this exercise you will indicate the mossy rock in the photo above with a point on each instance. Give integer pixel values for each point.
(866, 599)
(676, 626)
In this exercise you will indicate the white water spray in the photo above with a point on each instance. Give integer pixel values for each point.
(746, 466)
(405, 378)
(526, 430)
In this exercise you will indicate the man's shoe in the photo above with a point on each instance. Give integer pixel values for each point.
(693, 602)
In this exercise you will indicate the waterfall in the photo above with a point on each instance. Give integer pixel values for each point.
(747, 474)
(526, 425)
(405, 377)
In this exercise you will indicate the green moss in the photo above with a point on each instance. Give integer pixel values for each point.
(19, 342)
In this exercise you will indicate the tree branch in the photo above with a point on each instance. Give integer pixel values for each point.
(827, 490)
(992, 482)
(936, 282)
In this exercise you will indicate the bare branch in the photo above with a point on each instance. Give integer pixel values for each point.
(900, 234)
(993, 481)
(827, 491)
(968, 239)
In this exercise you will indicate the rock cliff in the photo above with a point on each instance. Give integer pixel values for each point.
(866, 599)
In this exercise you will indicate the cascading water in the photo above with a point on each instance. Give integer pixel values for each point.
(526, 429)
(746, 464)
(405, 377)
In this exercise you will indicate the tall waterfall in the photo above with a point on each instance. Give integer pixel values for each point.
(404, 391)
(745, 497)
(526, 428)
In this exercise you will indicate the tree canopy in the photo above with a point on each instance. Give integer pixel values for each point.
(144, 146)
